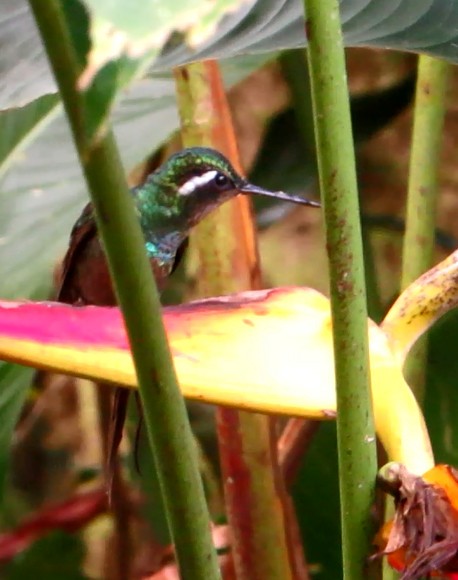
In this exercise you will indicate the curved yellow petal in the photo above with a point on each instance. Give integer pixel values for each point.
(268, 351)
(421, 304)
(398, 419)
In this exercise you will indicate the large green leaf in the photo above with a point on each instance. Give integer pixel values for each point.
(40, 561)
(441, 403)
(13, 388)
(43, 188)
(141, 29)
(115, 42)
(316, 497)
(265, 25)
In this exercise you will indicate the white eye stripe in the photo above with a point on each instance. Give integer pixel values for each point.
(197, 181)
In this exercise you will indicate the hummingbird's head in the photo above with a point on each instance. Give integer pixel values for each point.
(195, 181)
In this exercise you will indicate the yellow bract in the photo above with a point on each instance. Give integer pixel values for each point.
(268, 351)
(421, 304)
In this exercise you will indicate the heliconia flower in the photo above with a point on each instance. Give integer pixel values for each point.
(422, 538)
(272, 351)
(268, 351)
(421, 304)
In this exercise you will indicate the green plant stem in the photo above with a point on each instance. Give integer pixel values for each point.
(167, 424)
(419, 239)
(375, 308)
(292, 64)
(224, 246)
(336, 164)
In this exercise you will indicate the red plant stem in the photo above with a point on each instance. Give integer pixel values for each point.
(118, 498)
(301, 571)
(69, 516)
(293, 444)
(228, 262)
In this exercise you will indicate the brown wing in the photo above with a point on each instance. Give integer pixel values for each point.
(84, 258)
(83, 231)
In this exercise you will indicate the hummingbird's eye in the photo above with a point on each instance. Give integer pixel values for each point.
(221, 180)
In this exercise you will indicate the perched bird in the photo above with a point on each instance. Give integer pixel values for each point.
(172, 200)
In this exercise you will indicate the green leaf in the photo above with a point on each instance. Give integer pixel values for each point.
(422, 26)
(58, 555)
(19, 127)
(14, 383)
(441, 402)
(43, 191)
(316, 497)
(140, 29)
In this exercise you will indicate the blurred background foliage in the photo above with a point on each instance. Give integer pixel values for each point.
(56, 449)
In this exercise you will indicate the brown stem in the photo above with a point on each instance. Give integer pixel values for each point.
(293, 444)
(119, 500)
(226, 248)
(301, 571)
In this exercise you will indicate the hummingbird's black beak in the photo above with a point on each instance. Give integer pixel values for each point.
(248, 188)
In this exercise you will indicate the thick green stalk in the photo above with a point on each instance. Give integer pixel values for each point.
(336, 163)
(419, 239)
(292, 64)
(165, 414)
(225, 248)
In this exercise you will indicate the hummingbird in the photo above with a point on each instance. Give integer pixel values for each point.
(171, 201)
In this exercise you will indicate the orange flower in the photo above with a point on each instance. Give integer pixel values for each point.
(422, 538)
